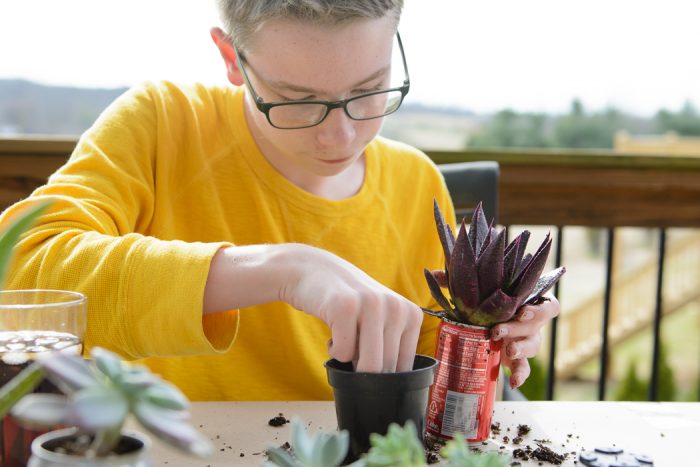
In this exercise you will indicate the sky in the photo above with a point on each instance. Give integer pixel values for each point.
(480, 55)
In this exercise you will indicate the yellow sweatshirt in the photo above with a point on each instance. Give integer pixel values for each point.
(166, 177)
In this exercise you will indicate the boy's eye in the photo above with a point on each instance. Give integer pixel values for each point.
(366, 91)
(296, 99)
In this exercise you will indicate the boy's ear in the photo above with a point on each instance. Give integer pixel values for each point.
(228, 53)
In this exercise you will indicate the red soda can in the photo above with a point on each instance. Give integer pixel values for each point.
(462, 396)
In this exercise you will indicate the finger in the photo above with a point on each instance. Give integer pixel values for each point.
(520, 370)
(392, 343)
(526, 347)
(343, 343)
(529, 320)
(409, 340)
(371, 343)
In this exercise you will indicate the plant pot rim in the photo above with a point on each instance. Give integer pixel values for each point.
(418, 378)
(466, 325)
(67, 459)
(428, 361)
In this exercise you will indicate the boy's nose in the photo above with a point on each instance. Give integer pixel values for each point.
(337, 129)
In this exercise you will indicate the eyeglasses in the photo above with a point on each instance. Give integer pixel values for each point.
(291, 115)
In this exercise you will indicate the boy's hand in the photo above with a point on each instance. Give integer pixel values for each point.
(370, 324)
(522, 337)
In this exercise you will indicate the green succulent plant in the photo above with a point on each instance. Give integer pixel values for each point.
(458, 454)
(487, 280)
(99, 394)
(321, 450)
(400, 447)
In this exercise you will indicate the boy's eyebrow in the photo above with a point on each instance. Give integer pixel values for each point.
(283, 85)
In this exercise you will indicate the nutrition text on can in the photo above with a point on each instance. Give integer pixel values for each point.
(462, 397)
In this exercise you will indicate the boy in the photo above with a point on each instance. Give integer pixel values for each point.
(193, 216)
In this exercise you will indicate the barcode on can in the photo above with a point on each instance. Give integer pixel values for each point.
(460, 414)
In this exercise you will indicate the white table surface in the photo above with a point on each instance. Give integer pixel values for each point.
(668, 432)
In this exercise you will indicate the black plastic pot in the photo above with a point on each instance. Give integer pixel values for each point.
(369, 402)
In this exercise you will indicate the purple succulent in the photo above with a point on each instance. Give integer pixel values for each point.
(487, 280)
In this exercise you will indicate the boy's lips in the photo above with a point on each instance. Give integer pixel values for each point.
(336, 161)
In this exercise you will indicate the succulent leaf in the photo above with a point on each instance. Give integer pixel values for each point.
(98, 408)
(463, 278)
(69, 372)
(523, 284)
(516, 250)
(444, 231)
(458, 454)
(441, 277)
(279, 457)
(497, 308)
(107, 362)
(321, 450)
(545, 282)
(399, 447)
(167, 396)
(490, 266)
(172, 427)
(40, 411)
(519, 267)
(435, 290)
(478, 230)
(509, 262)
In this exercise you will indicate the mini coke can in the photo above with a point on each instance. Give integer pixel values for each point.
(462, 396)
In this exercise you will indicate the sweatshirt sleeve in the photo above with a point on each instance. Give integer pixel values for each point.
(145, 295)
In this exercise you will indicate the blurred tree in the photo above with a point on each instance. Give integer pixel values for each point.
(685, 123)
(578, 130)
(508, 129)
(632, 388)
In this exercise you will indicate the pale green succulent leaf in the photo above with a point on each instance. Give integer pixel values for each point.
(41, 411)
(399, 447)
(134, 382)
(99, 408)
(107, 362)
(279, 457)
(69, 372)
(329, 448)
(301, 442)
(166, 395)
(458, 454)
(173, 427)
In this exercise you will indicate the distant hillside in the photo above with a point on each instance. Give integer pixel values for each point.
(27, 107)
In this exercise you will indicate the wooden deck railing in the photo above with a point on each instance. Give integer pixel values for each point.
(590, 188)
(537, 187)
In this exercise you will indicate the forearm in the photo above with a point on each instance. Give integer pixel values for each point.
(242, 276)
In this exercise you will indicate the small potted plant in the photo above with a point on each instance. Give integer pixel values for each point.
(487, 283)
(400, 447)
(367, 403)
(98, 397)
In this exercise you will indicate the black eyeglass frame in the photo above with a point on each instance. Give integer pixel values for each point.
(265, 107)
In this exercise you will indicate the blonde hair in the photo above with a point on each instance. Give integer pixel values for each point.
(242, 18)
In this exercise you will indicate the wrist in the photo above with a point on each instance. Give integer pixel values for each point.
(242, 276)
